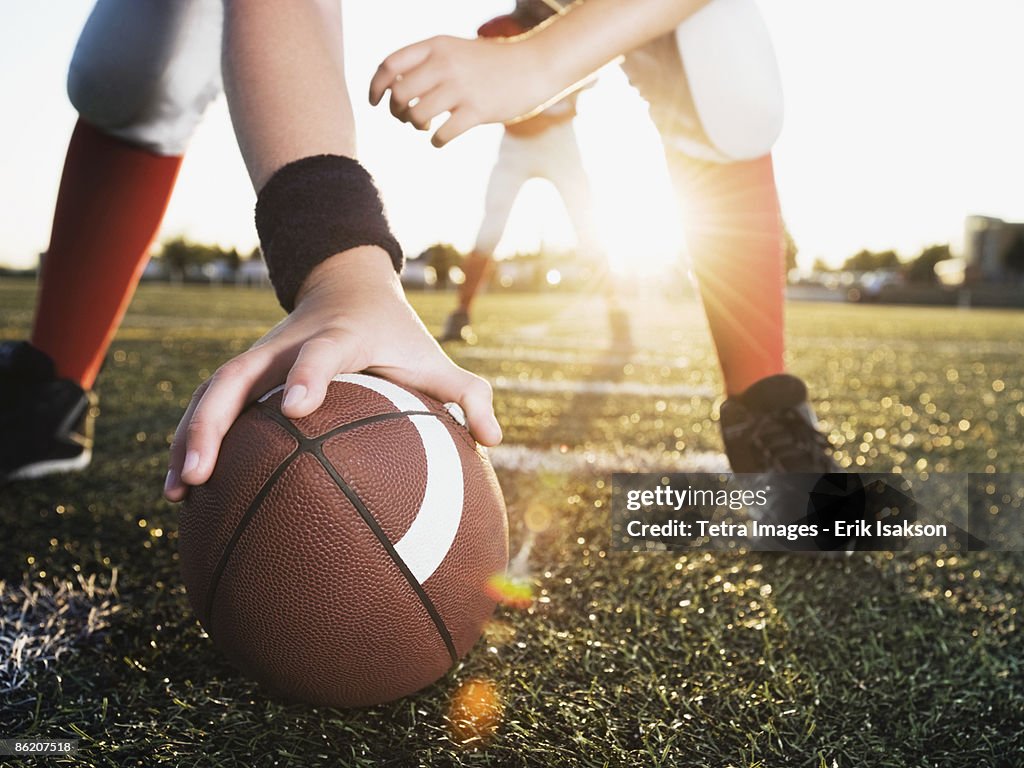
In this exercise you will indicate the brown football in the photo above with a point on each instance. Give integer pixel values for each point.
(344, 558)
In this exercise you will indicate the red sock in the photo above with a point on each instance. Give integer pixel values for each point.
(111, 200)
(734, 234)
(476, 268)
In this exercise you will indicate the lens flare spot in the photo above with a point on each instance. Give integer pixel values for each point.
(475, 712)
(510, 592)
(537, 518)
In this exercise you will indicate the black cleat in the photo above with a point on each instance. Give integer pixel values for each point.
(46, 423)
(771, 435)
(456, 327)
(772, 428)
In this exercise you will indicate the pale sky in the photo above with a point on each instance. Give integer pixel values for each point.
(902, 117)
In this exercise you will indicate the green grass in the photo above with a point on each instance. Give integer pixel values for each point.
(624, 659)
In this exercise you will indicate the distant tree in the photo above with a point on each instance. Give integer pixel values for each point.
(442, 257)
(179, 254)
(233, 259)
(867, 261)
(922, 269)
(820, 265)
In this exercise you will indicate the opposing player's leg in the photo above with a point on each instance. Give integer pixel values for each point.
(717, 136)
(141, 77)
(562, 165)
(510, 172)
(734, 233)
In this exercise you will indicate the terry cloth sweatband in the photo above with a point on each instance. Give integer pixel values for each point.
(312, 209)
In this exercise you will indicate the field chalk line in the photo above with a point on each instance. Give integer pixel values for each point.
(573, 387)
(521, 458)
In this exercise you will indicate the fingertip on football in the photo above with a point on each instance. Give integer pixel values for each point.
(174, 489)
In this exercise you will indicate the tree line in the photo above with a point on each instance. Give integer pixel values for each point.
(920, 269)
(179, 254)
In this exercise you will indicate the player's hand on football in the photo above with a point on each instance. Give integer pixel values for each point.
(474, 81)
(351, 315)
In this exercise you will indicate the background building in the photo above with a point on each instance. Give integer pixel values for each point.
(994, 250)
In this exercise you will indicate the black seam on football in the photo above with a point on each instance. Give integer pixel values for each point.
(373, 525)
(370, 420)
(250, 513)
(293, 430)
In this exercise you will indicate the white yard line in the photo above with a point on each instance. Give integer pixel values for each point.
(840, 343)
(581, 357)
(521, 458)
(41, 625)
(588, 343)
(572, 387)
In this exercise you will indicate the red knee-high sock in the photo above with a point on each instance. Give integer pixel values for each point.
(111, 200)
(476, 268)
(734, 234)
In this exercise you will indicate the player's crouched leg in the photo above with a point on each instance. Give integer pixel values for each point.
(141, 77)
(46, 422)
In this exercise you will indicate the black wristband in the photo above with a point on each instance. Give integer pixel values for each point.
(310, 210)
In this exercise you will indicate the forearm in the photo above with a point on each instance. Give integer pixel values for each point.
(285, 82)
(590, 34)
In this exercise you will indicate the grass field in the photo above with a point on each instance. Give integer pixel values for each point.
(623, 659)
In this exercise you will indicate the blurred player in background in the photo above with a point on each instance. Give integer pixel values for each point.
(708, 71)
(541, 146)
